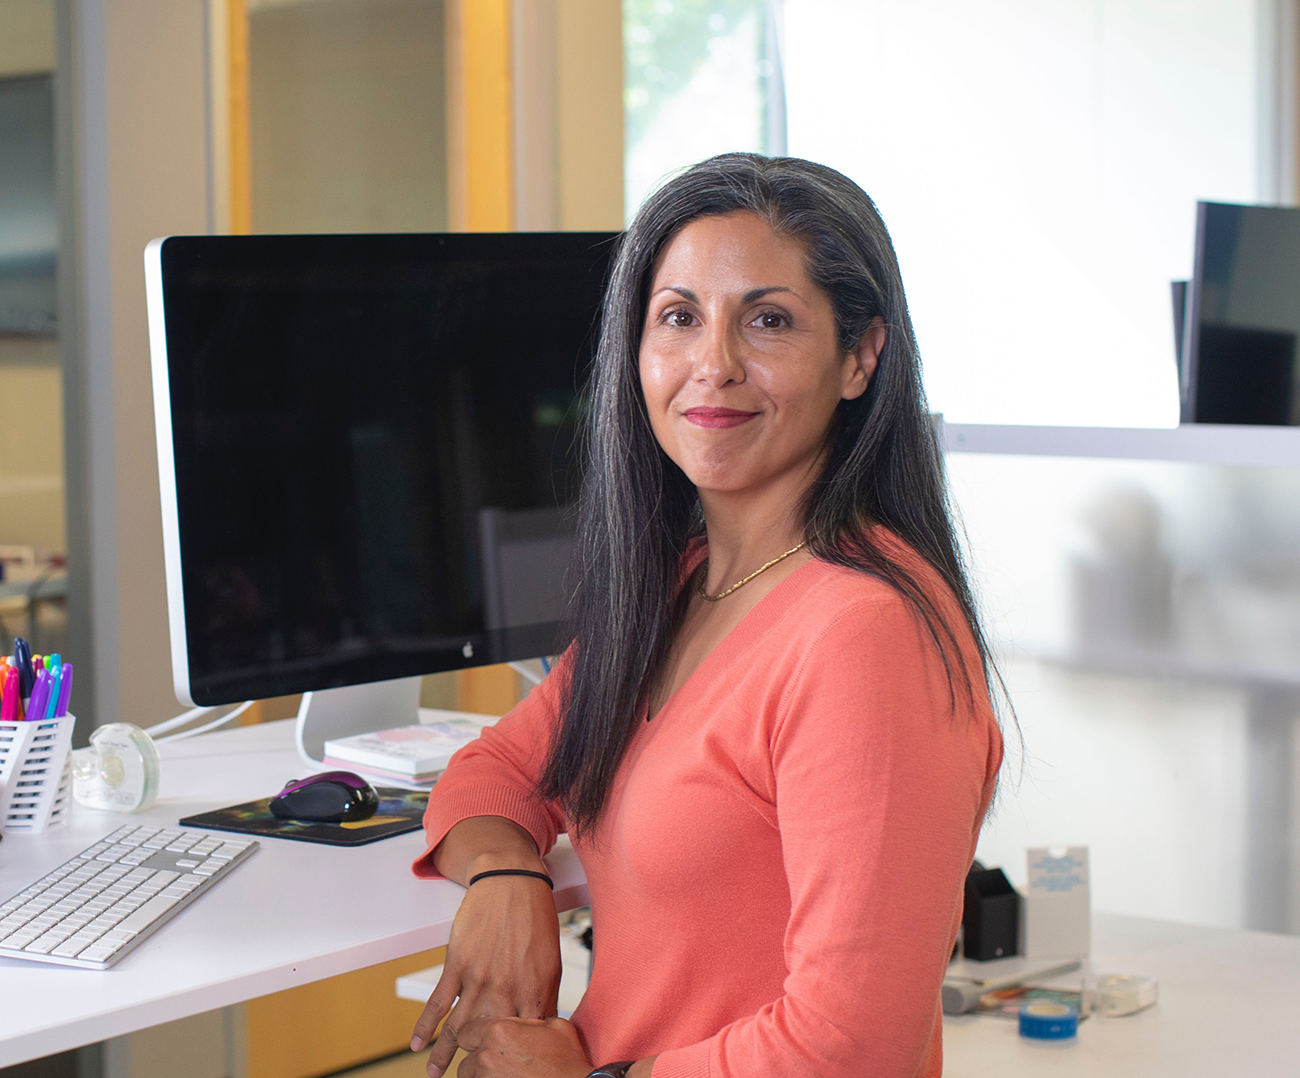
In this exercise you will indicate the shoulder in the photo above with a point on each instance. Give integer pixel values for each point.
(902, 625)
(836, 594)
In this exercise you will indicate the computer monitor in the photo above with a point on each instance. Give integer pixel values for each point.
(1239, 354)
(366, 451)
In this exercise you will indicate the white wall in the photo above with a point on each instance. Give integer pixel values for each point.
(1152, 769)
(1151, 776)
(348, 116)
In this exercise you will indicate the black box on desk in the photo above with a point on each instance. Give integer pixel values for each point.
(991, 918)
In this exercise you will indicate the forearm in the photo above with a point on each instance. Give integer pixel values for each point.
(482, 843)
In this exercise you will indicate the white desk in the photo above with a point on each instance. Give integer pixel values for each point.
(1228, 1006)
(295, 912)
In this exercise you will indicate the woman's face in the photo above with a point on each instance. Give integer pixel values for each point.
(740, 362)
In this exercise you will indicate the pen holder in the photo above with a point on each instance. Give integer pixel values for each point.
(35, 774)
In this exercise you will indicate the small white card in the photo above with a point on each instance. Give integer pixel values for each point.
(1056, 916)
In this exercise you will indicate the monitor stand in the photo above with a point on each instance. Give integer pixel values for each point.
(354, 709)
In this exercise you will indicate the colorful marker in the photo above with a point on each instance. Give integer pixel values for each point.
(9, 709)
(56, 680)
(40, 696)
(65, 690)
(23, 660)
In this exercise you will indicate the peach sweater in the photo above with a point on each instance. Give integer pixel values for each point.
(777, 880)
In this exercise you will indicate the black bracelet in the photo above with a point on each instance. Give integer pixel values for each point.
(512, 872)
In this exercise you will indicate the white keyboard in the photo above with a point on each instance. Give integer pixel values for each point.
(91, 910)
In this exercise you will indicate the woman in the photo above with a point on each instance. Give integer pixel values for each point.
(771, 740)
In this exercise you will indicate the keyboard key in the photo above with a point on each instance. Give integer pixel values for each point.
(97, 952)
(69, 948)
(148, 913)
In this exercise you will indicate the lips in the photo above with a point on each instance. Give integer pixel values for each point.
(717, 417)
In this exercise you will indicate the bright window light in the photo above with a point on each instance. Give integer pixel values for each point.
(701, 78)
(1038, 165)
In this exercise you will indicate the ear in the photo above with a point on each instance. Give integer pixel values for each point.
(861, 363)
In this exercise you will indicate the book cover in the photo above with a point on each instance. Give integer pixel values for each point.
(412, 752)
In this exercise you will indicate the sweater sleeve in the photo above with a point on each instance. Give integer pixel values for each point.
(496, 775)
(881, 786)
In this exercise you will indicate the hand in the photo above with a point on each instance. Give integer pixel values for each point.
(522, 1048)
(503, 961)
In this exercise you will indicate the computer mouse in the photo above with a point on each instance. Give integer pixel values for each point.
(330, 797)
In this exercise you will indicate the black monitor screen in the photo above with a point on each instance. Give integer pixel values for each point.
(374, 452)
(1241, 365)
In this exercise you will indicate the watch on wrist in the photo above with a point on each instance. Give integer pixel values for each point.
(613, 1070)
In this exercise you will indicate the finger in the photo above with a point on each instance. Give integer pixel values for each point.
(440, 1002)
(444, 1048)
(474, 1033)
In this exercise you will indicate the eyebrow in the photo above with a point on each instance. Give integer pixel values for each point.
(749, 297)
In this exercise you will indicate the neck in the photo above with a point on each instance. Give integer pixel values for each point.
(747, 529)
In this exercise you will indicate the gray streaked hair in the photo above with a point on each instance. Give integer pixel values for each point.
(638, 511)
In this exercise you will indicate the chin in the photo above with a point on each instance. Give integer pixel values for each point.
(721, 480)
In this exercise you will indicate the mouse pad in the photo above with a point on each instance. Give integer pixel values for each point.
(399, 811)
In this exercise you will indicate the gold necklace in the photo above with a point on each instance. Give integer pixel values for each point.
(740, 583)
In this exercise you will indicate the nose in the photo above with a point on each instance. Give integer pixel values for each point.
(720, 359)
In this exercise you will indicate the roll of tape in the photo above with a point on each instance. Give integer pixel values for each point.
(1048, 1021)
(1123, 993)
(959, 997)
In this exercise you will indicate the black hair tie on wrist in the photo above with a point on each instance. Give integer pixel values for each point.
(512, 872)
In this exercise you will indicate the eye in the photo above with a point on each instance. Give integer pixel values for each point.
(677, 316)
(770, 320)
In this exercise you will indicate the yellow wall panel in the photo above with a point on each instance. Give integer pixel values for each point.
(329, 1025)
(480, 119)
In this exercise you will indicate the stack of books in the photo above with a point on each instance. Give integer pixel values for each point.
(411, 755)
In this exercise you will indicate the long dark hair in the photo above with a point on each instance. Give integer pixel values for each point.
(638, 511)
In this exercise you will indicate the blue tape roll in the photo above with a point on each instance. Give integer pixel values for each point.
(1048, 1021)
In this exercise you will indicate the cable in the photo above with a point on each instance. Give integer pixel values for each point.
(546, 664)
(179, 720)
(230, 716)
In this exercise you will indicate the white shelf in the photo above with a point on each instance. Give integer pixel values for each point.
(1200, 443)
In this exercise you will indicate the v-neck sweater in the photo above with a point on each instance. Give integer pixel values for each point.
(776, 881)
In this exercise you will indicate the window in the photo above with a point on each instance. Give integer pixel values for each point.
(701, 77)
(1038, 166)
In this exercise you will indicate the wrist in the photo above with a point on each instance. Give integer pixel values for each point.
(613, 1070)
(493, 860)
